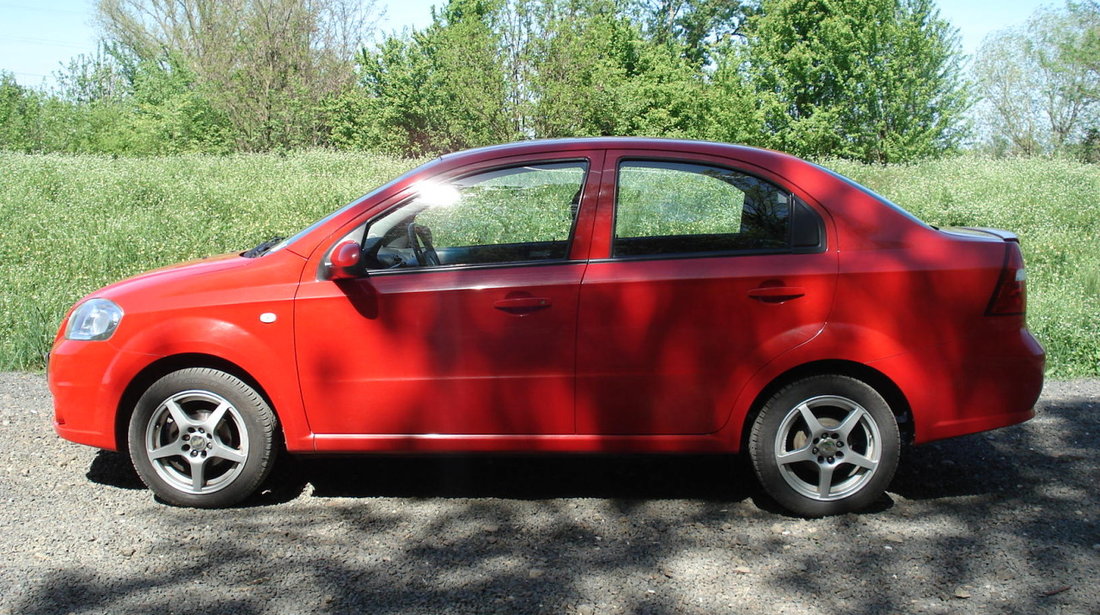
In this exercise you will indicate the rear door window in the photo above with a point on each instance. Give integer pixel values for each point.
(665, 208)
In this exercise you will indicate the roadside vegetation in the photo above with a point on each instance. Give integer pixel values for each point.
(872, 80)
(207, 126)
(73, 223)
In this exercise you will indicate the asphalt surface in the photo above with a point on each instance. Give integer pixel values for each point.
(1003, 522)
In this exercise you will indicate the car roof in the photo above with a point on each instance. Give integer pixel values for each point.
(536, 146)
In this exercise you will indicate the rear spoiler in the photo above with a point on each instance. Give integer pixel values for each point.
(996, 232)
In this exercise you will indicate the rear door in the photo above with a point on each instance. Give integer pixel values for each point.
(702, 272)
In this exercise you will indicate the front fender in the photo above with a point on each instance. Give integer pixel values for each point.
(263, 350)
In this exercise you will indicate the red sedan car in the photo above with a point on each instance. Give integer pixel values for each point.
(591, 295)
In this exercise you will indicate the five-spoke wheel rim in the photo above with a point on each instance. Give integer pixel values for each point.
(828, 447)
(197, 442)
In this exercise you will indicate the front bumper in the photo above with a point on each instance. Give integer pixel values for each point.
(87, 380)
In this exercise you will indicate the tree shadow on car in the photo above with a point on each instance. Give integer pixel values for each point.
(707, 478)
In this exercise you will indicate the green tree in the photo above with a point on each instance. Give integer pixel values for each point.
(265, 65)
(172, 114)
(874, 80)
(112, 102)
(34, 121)
(595, 73)
(493, 71)
(733, 111)
(105, 74)
(698, 25)
(19, 115)
(1085, 50)
(436, 90)
(1009, 109)
(578, 65)
(1040, 83)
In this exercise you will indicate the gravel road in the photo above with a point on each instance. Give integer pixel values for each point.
(1004, 522)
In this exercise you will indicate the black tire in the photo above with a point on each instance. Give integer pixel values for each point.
(825, 445)
(190, 457)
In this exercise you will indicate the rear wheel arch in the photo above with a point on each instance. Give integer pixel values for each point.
(825, 444)
(885, 387)
(166, 365)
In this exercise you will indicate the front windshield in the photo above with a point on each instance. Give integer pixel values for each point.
(309, 229)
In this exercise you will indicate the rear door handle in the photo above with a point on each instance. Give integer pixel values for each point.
(522, 305)
(776, 294)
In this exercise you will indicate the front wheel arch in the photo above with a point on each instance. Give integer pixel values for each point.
(164, 366)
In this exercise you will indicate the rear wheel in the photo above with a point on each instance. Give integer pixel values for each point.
(825, 445)
(201, 437)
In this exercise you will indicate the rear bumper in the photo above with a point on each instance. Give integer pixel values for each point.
(990, 385)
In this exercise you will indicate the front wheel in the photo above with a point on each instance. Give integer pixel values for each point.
(203, 438)
(825, 445)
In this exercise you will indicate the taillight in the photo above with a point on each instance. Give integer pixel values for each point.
(1010, 296)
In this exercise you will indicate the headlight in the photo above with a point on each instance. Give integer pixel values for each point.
(95, 319)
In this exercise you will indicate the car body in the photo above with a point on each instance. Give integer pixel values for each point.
(581, 295)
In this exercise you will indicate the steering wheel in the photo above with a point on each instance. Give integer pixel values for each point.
(419, 236)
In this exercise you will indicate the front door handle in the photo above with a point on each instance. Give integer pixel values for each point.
(776, 294)
(522, 305)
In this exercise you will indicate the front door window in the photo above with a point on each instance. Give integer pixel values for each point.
(511, 215)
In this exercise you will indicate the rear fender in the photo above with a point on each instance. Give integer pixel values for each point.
(863, 348)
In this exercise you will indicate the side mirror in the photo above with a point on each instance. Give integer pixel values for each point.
(345, 260)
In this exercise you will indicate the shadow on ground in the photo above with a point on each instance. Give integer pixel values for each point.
(705, 478)
(966, 466)
(701, 478)
(1007, 517)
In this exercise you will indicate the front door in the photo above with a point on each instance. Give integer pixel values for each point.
(465, 322)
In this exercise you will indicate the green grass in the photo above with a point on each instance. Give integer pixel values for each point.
(70, 224)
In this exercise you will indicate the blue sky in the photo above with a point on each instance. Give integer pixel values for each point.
(38, 36)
